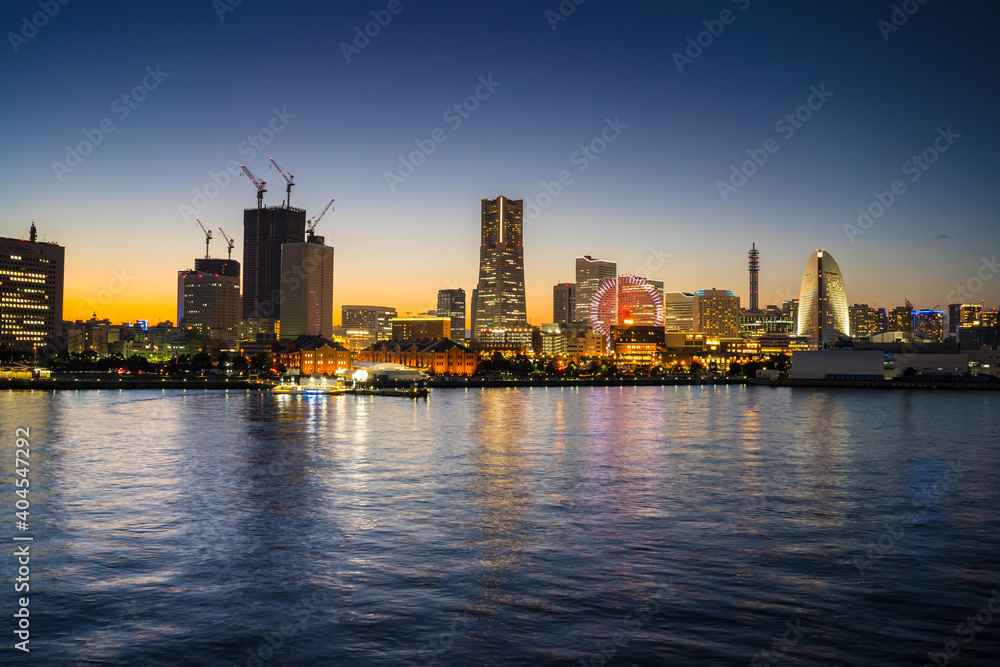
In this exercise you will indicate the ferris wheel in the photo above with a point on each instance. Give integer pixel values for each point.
(625, 300)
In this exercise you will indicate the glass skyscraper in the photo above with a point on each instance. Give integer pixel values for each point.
(823, 312)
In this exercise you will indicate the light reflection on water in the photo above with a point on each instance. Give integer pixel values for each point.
(181, 528)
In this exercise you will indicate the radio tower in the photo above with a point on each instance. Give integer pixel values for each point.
(754, 271)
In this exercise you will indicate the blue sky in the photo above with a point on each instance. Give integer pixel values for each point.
(650, 199)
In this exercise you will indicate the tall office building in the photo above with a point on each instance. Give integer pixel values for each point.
(307, 289)
(590, 273)
(678, 311)
(224, 267)
(717, 312)
(866, 321)
(823, 314)
(208, 303)
(900, 318)
(754, 258)
(416, 328)
(262, 241)
(962, 313)
(451, 303)
(500, 295)
(31, 292)
(563, 303)
(375, 319)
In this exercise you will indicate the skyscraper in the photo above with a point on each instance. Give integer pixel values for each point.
(678, 311)
(500, 296)
(451, 303)
(307, 289)
(262, 256)
(590, 273)
(754, 258)
(823, 313)
(563, 303)
(224, 267)
(866, 321)
(31, 292)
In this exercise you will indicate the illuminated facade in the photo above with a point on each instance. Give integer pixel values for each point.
(823, 314)
(31, 292)
(717, 312)
(678, 311)
(867, 321)
(500, 293)
(314, 354)
(440, 357)
(307, 295)
(638, 345)
(590, 273)
(928, 325)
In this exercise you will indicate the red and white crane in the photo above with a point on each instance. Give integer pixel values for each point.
(311, 225)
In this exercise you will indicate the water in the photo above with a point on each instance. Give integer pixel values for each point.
(620, 526)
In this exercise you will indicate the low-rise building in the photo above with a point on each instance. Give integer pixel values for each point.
(313, 354)
(440, 356)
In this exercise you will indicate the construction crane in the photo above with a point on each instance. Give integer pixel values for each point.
(229, 242)
(311, 225)
(288, 177)
(208, 236)
(257, 183)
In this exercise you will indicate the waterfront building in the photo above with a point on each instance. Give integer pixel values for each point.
(413, 328)
(313, 354)
(264, 232)
(518, 339)
(564, 303)
(900, 318)
(717, 312)
(307, 293)
(377, 320)
(823, 313)
(637, 345)
(208, 303)
(451, 304)
(770, 320)
(440, 356)
(866, 321)
(31, 292)
(590, 273)
(500, 292)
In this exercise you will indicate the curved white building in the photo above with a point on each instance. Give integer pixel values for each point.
(823, 314)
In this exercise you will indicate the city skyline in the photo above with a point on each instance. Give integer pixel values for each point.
(670, 170)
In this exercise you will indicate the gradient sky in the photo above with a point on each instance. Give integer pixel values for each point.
(650, 201)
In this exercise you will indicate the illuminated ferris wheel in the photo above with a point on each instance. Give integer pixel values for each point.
(625, 300)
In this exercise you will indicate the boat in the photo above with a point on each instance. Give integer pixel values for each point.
(308, 390)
